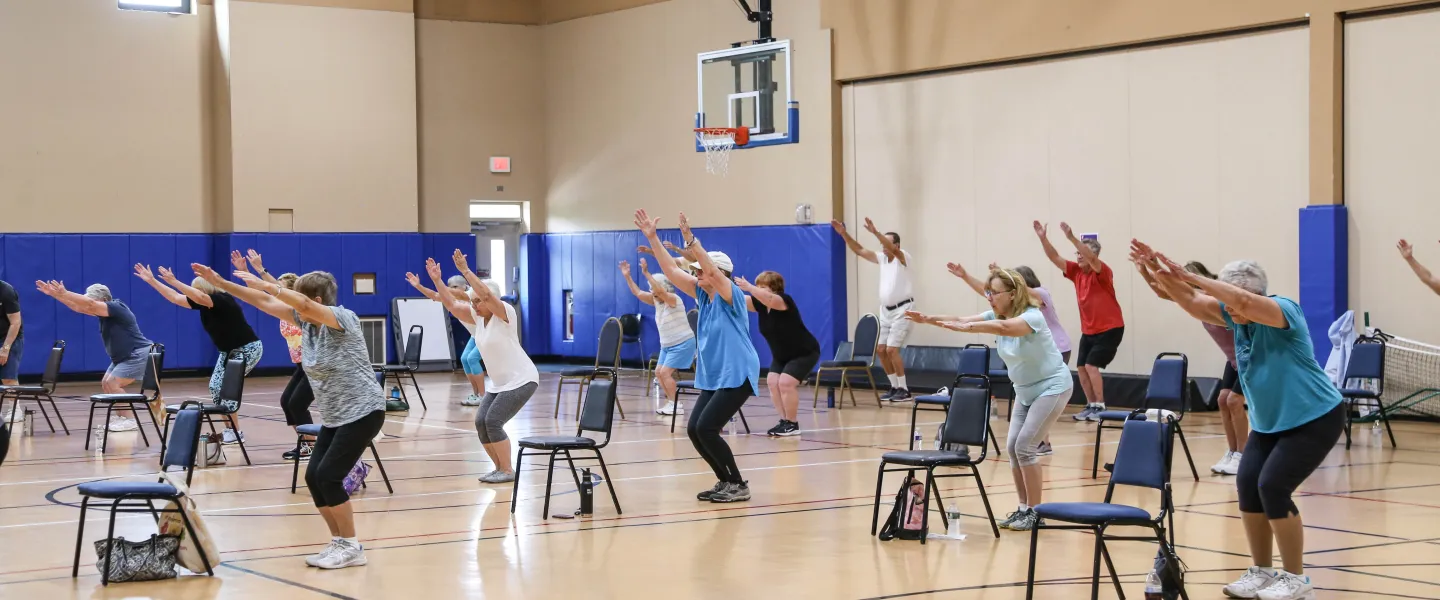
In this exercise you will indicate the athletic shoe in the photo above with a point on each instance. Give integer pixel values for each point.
(1232, 466)
(787, 429)
(471, 400)
(1090, 413)
(346, 554)
(1011, 518)
(13, 416)
(306, 449)
(230, 438)
(497, 476)
(775, 431)
(672, 408)
(1026, 522)
(1251, 583)
(707, 494)
(1045, 449)
(1288, 586)
(900, 395)
(1218, 467)
(889, 394)
(123, 424)
(732, 492)
(314, 560)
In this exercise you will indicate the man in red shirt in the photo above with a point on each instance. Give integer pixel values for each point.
(1101, 324)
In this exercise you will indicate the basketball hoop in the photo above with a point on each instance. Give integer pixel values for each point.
(718, 142)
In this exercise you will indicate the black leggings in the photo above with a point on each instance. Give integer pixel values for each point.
(296, 399)
(710, 414)
(337, 449)
(1275, 464)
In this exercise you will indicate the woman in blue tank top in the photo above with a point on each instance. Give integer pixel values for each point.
(728, 368)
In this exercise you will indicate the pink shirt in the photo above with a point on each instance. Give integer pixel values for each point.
(1052, 320)
(292, 336)
(1224, 339)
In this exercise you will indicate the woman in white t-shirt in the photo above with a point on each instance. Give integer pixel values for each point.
(677, 340)
(460, 309)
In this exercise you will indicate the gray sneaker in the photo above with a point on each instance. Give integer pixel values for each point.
(1091, 413)
(497, 476)
(732, 492)
(1010, 519)
(344, 555)
(707, 494)
(314, 560)
(1026, 522)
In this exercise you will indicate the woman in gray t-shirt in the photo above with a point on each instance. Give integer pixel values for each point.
(351, 404)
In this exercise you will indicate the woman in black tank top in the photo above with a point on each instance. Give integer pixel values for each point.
(794, 350)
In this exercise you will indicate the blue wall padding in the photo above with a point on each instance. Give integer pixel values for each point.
(82, 259)
(811, 257)
(1324, 270)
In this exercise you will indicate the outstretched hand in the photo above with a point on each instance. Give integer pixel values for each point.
(644, 266)
(957, 270)
(837, 226)
(167, 275)
(743, 283)
(672, 247)
(432, 268)
(413, 279)
(625, 267)
(1406, 250)
(46, 287)
(646, 224)
(461, 261)
(237, 260)
(255, 260)
(143, 272)
(249, 279)
(1041, 229)
(1065, 229)
(685, 233)
(870, 226)
(645, 250)
(201, 271)
(917, 316)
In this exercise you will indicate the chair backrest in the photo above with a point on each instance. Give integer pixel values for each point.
(997, 364)
(967, 420)
(154, 363)
(413, 343)
(607, 353)
(52, 367)
(1367, 361)
(1169, 378)
(974, 360)
(1143, 457)
(867, 338)
(184, 438)
(232, 382)
(630, 327)
(597, 413)
(693, 316)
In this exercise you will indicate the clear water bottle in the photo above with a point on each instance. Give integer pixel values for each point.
(1377, 431)
(952, 513)
(734, 426)
(918, 439)
(656, 393)
(1153, 589)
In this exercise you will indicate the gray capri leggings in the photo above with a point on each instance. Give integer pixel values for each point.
(497, 409)
(1029, 425)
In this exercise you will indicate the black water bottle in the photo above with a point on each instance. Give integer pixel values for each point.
(587, 493)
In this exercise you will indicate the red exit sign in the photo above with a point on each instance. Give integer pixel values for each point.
(499, 164)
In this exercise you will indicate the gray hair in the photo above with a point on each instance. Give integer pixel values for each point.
(457, 281)
(202, 285)
(664, 282)
(490, 285)
(98, 291)
(1246, 275)
(1092, 243)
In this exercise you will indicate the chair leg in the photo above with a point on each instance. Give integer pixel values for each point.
(1095, 572)
(380, 465)
(43, 413)
(1348, 407)
(141, 428)
(559, 388)
(879, 482)
(676, 411)
(986, 499)
(549, 480)
(743, 421)
(574, 473)
(1186, 447)
(1110, 566)
(610, 483)
(515, 486)
(58, 416)
(874, 389)
(990, 433)
(235, 426)
(164, 439)
(190, 528)
(105, 437)
(79, 537)
(416, 384)
(940, 502)
(295, 474)
(815, 401)
(109, 537)
(90, 431)
(1095, 464)
(1030, 574)
(914, 420)
(153, 513)
(1385, 418)
(925, 508)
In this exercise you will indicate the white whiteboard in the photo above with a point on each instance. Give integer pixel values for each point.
(427, 313)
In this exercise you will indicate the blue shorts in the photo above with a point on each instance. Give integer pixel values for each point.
(11, 369)
(470, 359)
(679, 356)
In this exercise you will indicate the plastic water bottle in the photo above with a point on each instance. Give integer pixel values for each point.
(919, 440)
(1376, 431)
(395, 393)
(656, 394)
(734, 426)
(1153, 589)
(952, 513)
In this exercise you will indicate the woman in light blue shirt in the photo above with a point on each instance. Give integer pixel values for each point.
(1041, 379)
(1296, 414)
(728, 368)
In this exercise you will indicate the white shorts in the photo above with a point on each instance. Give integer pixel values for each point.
(894, 327)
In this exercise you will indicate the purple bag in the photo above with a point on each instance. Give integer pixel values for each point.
(356, 477)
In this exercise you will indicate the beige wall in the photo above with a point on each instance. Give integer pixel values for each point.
(101, 127)
(620, 109)
(481, 95)
(1158, 144)
(1392, 184)
(322, 117)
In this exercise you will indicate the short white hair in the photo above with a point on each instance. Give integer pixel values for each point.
(98, 291)
(490, 285)
(664, 282)
(457, 281)
(1247, 275)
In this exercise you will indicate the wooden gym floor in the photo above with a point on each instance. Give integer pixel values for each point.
(1371, 514)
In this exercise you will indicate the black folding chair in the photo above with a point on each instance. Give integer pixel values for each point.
(232, 389)
(630, 334)
(40, 394)
(1169, 378)
(974, 361)
(597, 415)
(149, 391)
(860, 359)
(607, 360)
(1367, 361)
(140, 497)
(967, 422)
(408, 367)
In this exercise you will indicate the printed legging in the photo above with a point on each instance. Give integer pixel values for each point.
(251, 352)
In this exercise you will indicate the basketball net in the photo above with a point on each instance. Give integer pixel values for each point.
(718, 142)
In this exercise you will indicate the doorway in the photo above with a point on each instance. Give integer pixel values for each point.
(497, 227)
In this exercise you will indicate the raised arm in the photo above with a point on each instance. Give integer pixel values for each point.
(890, 248)
(770, 299)
(1087, 255)
(1012, 327)
(446, 296)
(414, 281)
(1042, 232)
(197, 296)
(478, 287)
(1200, 306)
(959, 271)
(854, 246)
(678, 261)
(682, 281)
(1426, 277)
(265, 302)
(709, 273)
(657, 291)
(84, 305)
(1141, 266)
(255, 261)
(644, 296)
(941, 320)
(176, 298)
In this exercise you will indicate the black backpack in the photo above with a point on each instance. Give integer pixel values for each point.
(893, 527)
(1171, 571)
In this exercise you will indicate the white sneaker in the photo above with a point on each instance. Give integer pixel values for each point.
(1251, 583)
(1231, 467)
(123, 424)
(314, 560)
(471, 400)
(672, 409)
(345, 555)
(1220, 464)
(12, 418)
(1288, 586)
(229, 437)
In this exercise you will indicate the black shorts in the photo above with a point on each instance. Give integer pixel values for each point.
(798, 367)
(1231, 379)
(1099, 349)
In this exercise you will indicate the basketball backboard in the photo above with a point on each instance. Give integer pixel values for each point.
(748, 86)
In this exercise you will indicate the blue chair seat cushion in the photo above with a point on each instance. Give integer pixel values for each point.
(211, 408)
(113, 398)
(1358, 393)
(116, 489)
(311, 429)
(1117, 415)
(395, 368)
(843, 364)
(1092, 513)
(688, 384)
(999, 374)
(22, 389)
(580, 372)
(933, 399)
(926, 458)
(547, 442)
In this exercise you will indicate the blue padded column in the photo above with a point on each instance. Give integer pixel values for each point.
(534, 294)
(1324, 270)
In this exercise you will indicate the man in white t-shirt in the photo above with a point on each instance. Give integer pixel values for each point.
(895, 299)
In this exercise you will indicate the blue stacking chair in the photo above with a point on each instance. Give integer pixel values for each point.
(967, 422)
(1000, 376)
(974, 361)
(149, 391)
(140, 497)
(1367, 361)
(597, 415)
(1143, 460)
(860, 359)
(607, 360)
(1166, 391)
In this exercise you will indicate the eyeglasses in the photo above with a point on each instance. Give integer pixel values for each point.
(993, 293)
